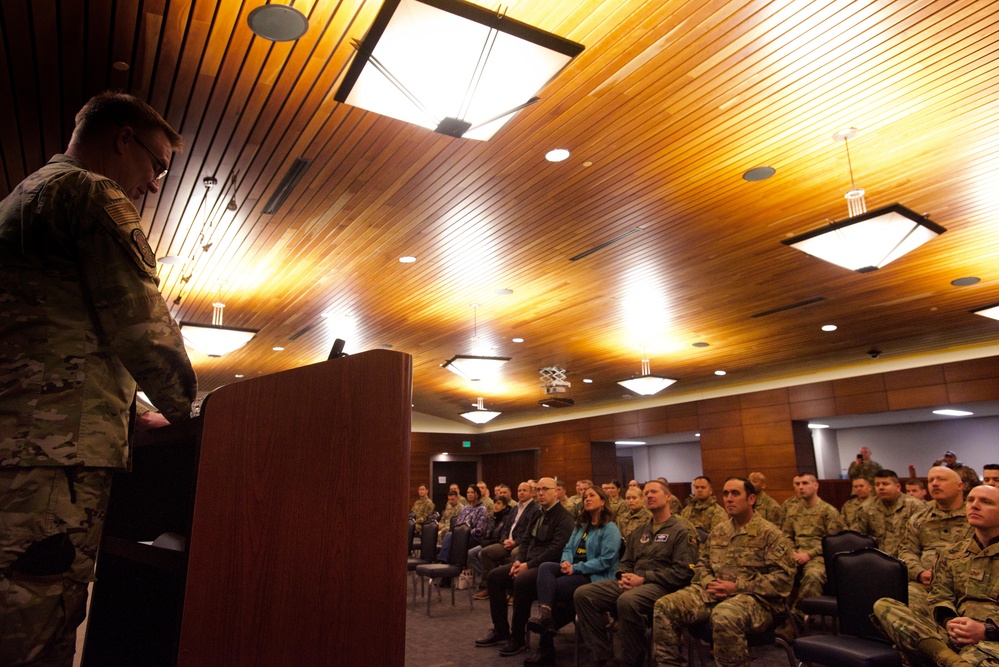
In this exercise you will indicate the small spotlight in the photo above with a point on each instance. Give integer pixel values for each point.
(720, 373)
(557, 155)
(407, 259)
(829, 327)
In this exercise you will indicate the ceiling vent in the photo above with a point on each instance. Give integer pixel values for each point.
(287, 184)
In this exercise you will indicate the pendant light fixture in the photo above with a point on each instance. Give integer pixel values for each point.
(215, 340)
(480, 415)
(646, 384)
(866, 241)
(473, 367)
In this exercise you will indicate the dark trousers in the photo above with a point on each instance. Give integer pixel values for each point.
(553, 586)
(525, 590)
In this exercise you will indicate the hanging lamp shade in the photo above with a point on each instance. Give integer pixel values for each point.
(474, 368)
(214, 339)
(480, 415)
(646, 384)
(451, 66)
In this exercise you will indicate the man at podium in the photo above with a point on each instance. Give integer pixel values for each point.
(81, 324)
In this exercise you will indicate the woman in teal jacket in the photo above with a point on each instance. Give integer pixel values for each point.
(590, 555)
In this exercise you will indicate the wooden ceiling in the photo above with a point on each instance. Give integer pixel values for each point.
(669, 104)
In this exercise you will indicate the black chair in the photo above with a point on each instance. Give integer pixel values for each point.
(457, 559)
(699, 639)
(428, 552)
(865, 576)
(825, 604)
(409, 538)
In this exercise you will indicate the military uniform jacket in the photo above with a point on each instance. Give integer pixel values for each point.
(757, 557)
(867, 470)
(806, 526)
(966, 583)
(887, 524)
(705, 514)
(850, 509)
(546, 536)
(769, 509)
(422, 508)
(81, 322)
(665, 556)
(928, 534)
(450, 512)
(627, 520)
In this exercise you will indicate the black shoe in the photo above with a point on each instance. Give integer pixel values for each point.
(512, 647)
(540, 658)
(492, 639)
(543, 622)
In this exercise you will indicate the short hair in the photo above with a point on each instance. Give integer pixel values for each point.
(915, 482)
(615, 482)
(452, 492)
(991, 466)
(583, 518)
(585, 481)
(559, 484)
(502, 486)
(886, 473)
(111, 108)
(708, 479)
(807, 474)
(424, 485)
(747, 486)
(660, 483)
(500, 500)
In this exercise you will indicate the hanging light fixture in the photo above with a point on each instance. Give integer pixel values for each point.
(215, 339)
(991, 312)
(480, 415)
(866, 241)
(451, 66)
(473, 367)
(646, 384)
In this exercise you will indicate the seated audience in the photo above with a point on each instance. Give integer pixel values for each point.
(739, 584)
(633, 513)
(766, 506)
(591, 554)
(503, 491)
(461, 498)
(545, 539)
(484, 495)
(862, 488)
(615, 502)
(422, 508)
(563, 499)
(674, 504)
(886, 517)
(915, 488)
(990, 474)
(572, 502)
(937, 528)
(962, 629)
(511, 535)
(479, 520)
(806, 522)
(500, 513)
(704, 511)
(657, 560)
(968, 474)
(451, 510)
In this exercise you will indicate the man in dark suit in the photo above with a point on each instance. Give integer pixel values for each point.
(546, 536)
(515, 526)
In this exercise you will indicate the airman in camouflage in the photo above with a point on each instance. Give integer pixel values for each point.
(81, 323)
(422, 508)
(863, 466)
(633, 513)
(704, 511)
(766, 506)
(886, 518)
(739, 583)
(962, 629)
(861, 494)
(938, 528)
(451, 511)
(614, 500)
(805, 523)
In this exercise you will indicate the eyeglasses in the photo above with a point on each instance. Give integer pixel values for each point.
(545, 488)
(158, 166)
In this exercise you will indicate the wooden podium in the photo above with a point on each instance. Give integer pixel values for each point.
(290, 490)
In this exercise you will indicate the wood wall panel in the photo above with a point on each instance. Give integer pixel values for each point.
(862, 384)
(768, 456)
(759, 399)
(725, 419)
(772, 432)
(858, 404)
(917, 397)
(510, 468)
(823, 407)
(721, 438)
(810, 392)
(972, 390)
(915, 377)
(767, 414)
(975, 369)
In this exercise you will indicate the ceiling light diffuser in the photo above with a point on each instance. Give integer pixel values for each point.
(992, 312)
(214, 339)
(646, 384)
(812, 425)
(953, 413)
(480, 415)
(451, 66)
(474, 368)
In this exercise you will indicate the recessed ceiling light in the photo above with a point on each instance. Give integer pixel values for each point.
(120, 65)
(278, 23)
(407, 259)
(988, 311)
(814, 425)
(697, 435)
(557, 155)
(443, 453)
(587, 164)
(278, 349)
(829, 327)
(759, 174)
(629, 442)
(964, 282)
(239, 375)
(720, 373)
(504, 291)
(701, 344)
(587, 381)
(953, 413)
(517, 340)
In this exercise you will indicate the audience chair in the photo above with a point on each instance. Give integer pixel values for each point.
(825, 605)
(457, 560)
(428, 552)
(864, 576)
(699, 639)
(410, 537)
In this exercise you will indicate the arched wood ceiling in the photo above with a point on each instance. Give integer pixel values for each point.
(663, 112)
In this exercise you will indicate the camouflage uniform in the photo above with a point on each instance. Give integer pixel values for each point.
(627, 520)
(444, 524)
(758, 558)
(615, 506)
(805, 527)
(965, 581)
(705, 514)
(488, 503)
(867, 470)
(928, 534)
(675, 508)
(422, 508)
(571, 503)
(769, 509)
(851, 507)
(887, 524)
(81, 322)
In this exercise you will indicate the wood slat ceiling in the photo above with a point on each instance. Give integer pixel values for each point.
(665, 109)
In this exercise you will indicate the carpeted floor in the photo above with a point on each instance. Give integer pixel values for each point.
(447, 637)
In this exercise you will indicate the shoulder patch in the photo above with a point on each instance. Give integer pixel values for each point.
(692, 540)
(139, 239)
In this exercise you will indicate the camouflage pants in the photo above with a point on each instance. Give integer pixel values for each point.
(50, 524)
(813, 579)
(919, 598)
(906, 629)
(731, 620)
